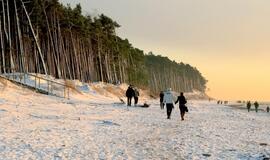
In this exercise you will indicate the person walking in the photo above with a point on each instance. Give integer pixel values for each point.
(248, 106)
(129, 94)
(182, 105)
(168, 101)
(256, 104)
(136, 96)
(161, 97)
(267, 109)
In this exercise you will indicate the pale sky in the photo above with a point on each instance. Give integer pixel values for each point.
(227, 40)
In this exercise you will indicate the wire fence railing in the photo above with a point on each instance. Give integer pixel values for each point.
(40, 84)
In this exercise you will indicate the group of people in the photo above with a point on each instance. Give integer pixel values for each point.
(256, 105)
(222, 102)
(132, 92)
(166, 98)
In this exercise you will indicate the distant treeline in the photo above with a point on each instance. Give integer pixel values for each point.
(44, 36)
(165, 73)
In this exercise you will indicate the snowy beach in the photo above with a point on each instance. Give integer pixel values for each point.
(134, 80)
(36, 126)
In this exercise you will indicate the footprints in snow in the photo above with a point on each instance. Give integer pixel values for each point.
(108, 123)
(263, 144)
(206, 155)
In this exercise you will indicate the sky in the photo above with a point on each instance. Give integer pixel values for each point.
(228, 41)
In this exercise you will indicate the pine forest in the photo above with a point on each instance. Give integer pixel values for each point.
(47, 37)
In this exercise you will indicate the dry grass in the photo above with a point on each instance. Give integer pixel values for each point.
(3, 83)
(99, 90)
(115, 91)
(72, 86)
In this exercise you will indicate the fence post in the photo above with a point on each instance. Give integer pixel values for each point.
(35, 82)
(48, 89)
(13, 75)
(64, 91)
(68, 92)
(20, 77)
(39, 83)
(24, 80)
(51, 87)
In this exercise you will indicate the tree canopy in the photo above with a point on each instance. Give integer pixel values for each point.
(77, 46)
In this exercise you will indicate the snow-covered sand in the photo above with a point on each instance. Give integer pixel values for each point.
(35, 126)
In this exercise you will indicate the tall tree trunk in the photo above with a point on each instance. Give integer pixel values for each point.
(32, 29)
(76, 63)
(99, 61)
(4, 18)
(52, 42)
(2, 48)
(22, 61)
(12, 66)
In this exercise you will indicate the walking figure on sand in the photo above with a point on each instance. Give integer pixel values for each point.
(161, 97)
(168, 101)
(129, 94)
(182, 105)
(256, 104)
(136, 96)
(248, 106)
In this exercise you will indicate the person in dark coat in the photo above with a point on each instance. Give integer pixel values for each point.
(267, 109)
(129, 94)
(182, 101)
(248, 105)
(161, 96)
(136, 96)
(256, 104)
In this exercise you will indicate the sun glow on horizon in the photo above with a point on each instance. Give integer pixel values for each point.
(235, 78)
